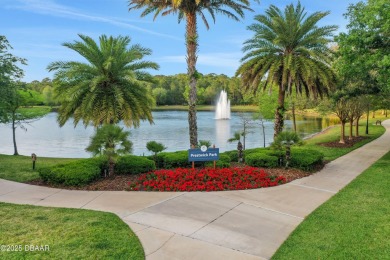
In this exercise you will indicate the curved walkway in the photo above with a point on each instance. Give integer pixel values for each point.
(248, 224)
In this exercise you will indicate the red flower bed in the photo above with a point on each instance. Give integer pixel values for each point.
(207, 179)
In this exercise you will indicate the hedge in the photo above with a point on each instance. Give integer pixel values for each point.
(305, 159)
(76, 173)
(131, 164)
(233, 155)
(173, 160)
(301, 158)
(261, 159)
(223, 162)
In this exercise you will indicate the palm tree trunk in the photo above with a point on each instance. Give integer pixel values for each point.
(293, 116)
(192, 45)
(111, 166)
(279, 114)
(14, 134)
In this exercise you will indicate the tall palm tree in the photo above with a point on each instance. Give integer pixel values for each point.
(109, 88)
(290, 50)
(189, 10)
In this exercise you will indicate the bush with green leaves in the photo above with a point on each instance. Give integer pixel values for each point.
(223, 162)
(76, 173)
(262, 159)
(155, 147)
(173, 160)
(111, 141)
(233, 155)
(132, 164)
(305, 159)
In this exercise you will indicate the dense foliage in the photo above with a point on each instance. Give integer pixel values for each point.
(110, 141)
(262, 160)
(172, 160)
(290, 50)
(77, 173)
(109, 87)
(131, 164)
(305, 159)
(301, 158)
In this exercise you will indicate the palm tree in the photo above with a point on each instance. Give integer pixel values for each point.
(189, 10)
(111, 141)
(109, 88)
(286, 139)
(290, 50)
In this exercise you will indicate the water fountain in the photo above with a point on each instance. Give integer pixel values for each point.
(222, 110)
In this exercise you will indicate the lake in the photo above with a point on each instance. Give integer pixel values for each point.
(45, 138)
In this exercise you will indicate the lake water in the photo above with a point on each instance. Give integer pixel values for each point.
(45, 138)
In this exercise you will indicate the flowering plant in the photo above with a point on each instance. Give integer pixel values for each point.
(206, 179)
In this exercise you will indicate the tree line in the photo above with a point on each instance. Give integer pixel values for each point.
(165, 90)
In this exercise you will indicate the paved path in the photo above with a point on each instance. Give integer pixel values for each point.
(249, 224)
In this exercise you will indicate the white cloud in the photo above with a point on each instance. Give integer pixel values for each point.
(50, 7)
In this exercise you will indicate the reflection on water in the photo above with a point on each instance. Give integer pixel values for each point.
(309, 125)
(222, 132)
(45, 138)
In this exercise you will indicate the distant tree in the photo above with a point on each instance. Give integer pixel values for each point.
(109, 88)
(290, 50)
(160, 95)
(9, 74)
(206, 143)
(111, 142)
(365, 48)
(14, 114)
(155, 148)
(12, 93)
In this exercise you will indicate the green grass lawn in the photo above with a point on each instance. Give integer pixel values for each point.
(333, 134)
(69, 233)
(19, 168)
(35, 110)
(354, 224)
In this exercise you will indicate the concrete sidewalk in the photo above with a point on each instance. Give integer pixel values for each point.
(248, 224)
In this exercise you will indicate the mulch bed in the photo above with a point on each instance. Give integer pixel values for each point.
(348, 143)
(120, 182)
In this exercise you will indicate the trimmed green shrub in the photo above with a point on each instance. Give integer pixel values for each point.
(223, 162)
(173, 160)
(131, 164)
(305, 159)
(261, 159)
(233, 155)
(76, 173)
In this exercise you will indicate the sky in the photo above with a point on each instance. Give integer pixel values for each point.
(36, 29)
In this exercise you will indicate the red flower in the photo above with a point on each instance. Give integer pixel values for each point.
(207, 179)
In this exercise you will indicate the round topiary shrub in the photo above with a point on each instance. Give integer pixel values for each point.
(305, 159)
(131, 164)
(261, 160)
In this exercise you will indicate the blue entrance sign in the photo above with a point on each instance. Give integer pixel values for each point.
(197, 155)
